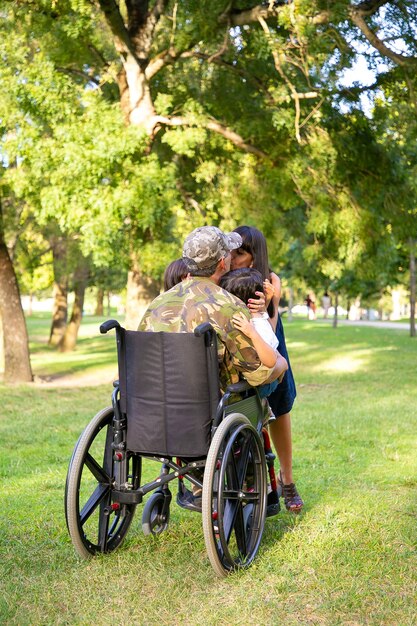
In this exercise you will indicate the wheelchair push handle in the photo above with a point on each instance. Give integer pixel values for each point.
(109, 325)
(207, 330)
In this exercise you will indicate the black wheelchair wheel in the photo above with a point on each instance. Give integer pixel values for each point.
(155, 516)
(234, 495)
(91, 523)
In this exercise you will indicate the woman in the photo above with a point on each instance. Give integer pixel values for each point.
(254, 253)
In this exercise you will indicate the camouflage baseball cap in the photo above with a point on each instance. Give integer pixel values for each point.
(206, 245)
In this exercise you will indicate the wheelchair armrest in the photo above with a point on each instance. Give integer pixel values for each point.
(108, 325)
(239, 387)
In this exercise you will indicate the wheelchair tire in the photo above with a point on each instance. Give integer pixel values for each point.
(234, 495)
(88, 491)
(154, 520)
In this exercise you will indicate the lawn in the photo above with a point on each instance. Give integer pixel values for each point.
(349, 559)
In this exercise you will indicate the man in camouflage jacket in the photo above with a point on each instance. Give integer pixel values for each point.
(199, 299)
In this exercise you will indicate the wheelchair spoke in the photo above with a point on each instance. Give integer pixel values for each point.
(96, 498)
(97, 471)
(242, 461)
(231, 517)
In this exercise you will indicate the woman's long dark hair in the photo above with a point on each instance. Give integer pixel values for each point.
(254, 242)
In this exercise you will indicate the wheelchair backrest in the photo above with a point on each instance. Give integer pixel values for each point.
(169, 391)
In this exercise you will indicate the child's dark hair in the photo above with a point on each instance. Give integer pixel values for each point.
(175, 273)
(243, 283)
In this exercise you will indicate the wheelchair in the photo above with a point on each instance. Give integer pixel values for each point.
(167, 406)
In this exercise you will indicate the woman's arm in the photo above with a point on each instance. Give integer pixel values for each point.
(267, 354)
(275, 281)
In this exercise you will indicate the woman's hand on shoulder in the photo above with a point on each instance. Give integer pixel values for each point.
(276, 283)
(269, 291)
(257, 305)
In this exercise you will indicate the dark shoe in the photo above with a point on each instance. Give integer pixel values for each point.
(292, 499)
(272, 504)
(186, 500)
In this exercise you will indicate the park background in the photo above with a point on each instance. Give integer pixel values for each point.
(124, 125)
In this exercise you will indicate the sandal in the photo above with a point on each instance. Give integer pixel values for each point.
(292, 499)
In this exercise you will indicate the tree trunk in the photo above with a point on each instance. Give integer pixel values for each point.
(17, 368)
(336, 304)
(60, 292)
(69, 339)
(1, 347)
(141, 290)
(108, 304)
(59, 313)
(412, 287)
(100, 302)
(138, 109)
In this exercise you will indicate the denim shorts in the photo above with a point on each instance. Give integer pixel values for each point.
(282, 398)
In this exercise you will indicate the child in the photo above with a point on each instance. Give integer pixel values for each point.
(243, 283)
(175, 273)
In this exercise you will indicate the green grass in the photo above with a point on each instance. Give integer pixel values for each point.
(349, 559)
(95, 354)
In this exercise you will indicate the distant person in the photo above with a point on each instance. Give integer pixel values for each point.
(326, 303)
(311, 307)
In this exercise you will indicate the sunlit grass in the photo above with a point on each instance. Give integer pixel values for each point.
(349, 559)
(94, 355)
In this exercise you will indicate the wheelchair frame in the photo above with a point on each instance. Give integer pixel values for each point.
(103, 484)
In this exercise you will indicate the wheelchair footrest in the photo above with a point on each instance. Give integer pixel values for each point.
(186, 500)
(272, 504)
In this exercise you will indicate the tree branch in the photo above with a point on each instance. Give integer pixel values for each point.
(166, 57)
(369, 7)
(251, 15)
(357, 18)
(189, 199)
(285, 78)
(115, 21)
(87, 77)
(216, 127)
(231, 67)
(272, 9)
(142, 24)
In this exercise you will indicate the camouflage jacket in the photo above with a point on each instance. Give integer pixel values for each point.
(197, 300)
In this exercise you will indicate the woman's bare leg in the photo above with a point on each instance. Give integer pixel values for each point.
(280, 430)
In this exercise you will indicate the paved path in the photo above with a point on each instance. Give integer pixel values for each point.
(376, 324)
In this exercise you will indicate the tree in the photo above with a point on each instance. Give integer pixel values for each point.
(196, 150)
(17, 366)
